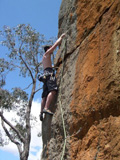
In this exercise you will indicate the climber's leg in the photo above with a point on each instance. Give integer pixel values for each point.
(52, 90)
(49, 100)
(43, 102)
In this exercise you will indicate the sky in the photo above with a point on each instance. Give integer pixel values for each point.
(42, 15)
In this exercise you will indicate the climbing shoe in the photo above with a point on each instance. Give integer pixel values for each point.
(41, 117)
(47, 111)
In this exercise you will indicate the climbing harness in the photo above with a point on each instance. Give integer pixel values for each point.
(60, 102)
(43, 77)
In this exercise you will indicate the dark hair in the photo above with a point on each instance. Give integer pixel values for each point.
(46, 48)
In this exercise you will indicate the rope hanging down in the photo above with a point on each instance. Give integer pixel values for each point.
(60, 102)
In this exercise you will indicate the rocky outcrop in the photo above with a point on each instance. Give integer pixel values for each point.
(89, 80)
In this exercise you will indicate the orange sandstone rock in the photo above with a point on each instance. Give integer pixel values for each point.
(96, 94)
(89, 82)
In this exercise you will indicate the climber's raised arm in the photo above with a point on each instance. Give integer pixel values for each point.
(52, 48)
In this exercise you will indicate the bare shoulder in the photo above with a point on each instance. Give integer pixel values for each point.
(46, 55)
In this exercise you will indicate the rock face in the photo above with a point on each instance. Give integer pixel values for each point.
(88, 76)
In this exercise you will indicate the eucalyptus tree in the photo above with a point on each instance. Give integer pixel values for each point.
(25, 50)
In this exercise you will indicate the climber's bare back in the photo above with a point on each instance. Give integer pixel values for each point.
(46, 61)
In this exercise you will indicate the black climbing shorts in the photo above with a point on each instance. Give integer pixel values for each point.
(50, 83)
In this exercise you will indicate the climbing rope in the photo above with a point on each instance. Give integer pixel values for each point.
(60, 102)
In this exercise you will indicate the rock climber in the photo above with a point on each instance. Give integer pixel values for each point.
(49, 84)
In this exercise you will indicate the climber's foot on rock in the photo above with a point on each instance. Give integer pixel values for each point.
(41, 116)
(47, 111)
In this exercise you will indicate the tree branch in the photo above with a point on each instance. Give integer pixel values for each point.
(39, 64)
(14, 129)
(10, 137)
(28, 127)
(37, 90)
(25, 64)
(28, 86)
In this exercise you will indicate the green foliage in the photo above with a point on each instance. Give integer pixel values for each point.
(24, 45)
(1, 140)
(6, 99)
(17, 101)
(25, 51)
(4, 68)
(19, 94)
(10, 100)
(21, 129)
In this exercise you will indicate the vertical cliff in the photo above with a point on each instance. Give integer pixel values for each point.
(88, 76)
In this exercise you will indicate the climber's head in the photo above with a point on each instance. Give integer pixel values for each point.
(46, 48)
